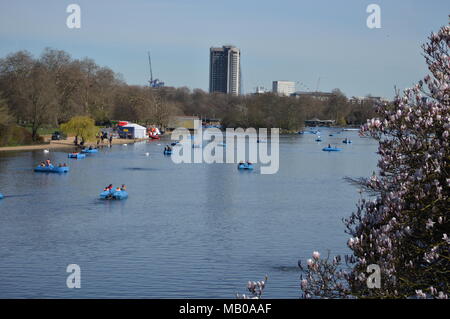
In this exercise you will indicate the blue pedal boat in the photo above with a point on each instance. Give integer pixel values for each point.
(94, 150)
(247, 166)
(52, 169)
(76, 155)
(114, 194)
(331, 149)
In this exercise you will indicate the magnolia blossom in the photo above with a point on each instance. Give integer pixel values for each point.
(350, 242)
(304, 284)
(420, 294)
(441, 295)
(256, 289)
(445, 237)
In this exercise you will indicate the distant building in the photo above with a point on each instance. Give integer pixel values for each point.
(317, 122)
(322, 96)
(260, 90)
(182, 122)
(211, 123)
(285, 88)
(132, 130)
(225, 70)
(366, 99)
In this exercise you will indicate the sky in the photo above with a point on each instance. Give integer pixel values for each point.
(296, 40)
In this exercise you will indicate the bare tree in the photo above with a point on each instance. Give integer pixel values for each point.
(39, 98)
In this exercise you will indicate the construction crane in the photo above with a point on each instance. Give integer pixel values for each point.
(154, 83)
(318, 84)
(302, 86)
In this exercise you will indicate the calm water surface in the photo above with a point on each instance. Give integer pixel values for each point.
(186, 231)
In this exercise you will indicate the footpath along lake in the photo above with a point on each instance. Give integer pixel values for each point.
(186, 230)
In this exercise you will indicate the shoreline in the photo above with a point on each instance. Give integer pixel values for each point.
(68, 143)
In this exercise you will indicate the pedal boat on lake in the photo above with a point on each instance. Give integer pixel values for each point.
(87, 150)
(247, 166)
(76, 155)
(113, 194)
(52, 169)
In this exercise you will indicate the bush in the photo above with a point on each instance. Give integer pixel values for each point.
(13, 135)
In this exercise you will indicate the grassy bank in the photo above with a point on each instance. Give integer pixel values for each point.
(46, 130)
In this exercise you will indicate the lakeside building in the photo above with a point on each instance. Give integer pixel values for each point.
(225, 70)
(132, 130)
(285, 88)
(317, 122)
(322, 96)
(182, 122)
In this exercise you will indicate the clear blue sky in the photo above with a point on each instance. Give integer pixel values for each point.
(294, 40)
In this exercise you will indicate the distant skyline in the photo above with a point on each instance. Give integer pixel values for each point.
(292, 40)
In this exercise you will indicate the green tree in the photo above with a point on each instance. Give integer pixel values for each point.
(82, 127)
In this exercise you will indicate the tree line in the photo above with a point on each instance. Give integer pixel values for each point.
(51, 89)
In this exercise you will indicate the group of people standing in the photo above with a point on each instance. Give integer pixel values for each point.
(104, 136)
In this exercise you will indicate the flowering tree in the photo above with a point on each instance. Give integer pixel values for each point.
(255, 289)
(324, 278)
(404, 228)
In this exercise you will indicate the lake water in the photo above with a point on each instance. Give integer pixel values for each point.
(186, 230)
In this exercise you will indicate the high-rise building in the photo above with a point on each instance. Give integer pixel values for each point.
(225, 70)
(283, 87)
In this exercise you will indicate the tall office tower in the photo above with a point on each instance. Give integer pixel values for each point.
(283, 87)
(225, 70)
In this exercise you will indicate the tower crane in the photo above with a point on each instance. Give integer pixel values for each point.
(154, 83)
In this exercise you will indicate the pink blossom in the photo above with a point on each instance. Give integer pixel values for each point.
(316, 255)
